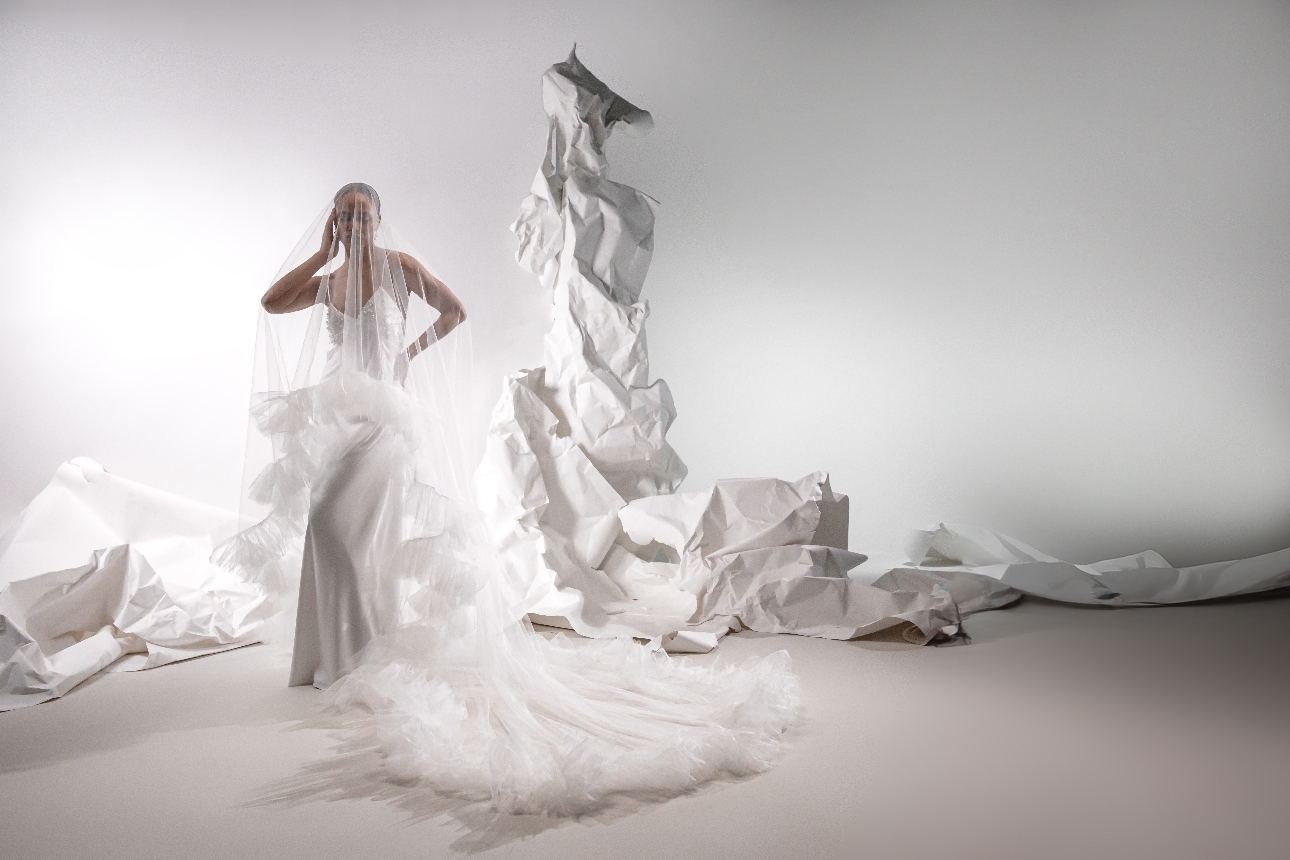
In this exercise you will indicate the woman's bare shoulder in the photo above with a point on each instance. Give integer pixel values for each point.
(409, 263)
(416, 272)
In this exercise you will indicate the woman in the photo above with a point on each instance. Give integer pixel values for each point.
(403, 606)
(356, 213)
(353, 516)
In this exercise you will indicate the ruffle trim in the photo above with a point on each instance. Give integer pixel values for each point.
(597, 720)
(304, 425)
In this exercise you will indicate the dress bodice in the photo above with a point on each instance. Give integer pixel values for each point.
(369, 341)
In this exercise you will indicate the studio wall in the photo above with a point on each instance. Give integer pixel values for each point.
(1020, 265)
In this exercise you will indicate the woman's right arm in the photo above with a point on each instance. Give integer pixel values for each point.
(297, 289)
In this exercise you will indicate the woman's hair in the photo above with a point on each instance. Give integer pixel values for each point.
(362, 188)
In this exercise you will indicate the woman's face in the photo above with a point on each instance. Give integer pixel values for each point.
(355, 212)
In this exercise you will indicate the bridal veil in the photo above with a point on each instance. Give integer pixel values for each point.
(358, 453)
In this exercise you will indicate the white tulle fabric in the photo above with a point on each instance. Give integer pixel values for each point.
(360, 497)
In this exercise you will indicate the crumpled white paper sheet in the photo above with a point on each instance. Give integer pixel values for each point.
(1143, 579)
(970, 592)
(749, 552)
(147, 590)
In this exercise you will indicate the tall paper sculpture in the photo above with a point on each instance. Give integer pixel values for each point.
(572, 442)
(577, 449)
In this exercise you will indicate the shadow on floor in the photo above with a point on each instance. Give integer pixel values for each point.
(118, 710)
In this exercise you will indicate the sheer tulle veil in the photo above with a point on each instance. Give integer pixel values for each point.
(465, 695)
(329, 361)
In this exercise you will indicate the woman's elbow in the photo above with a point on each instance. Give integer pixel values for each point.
(453, 316)
(276, 304)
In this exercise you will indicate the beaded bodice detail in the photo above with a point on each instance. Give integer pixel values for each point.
(372, 339)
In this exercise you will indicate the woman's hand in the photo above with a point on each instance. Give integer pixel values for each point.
(329, 235)
(297, 289)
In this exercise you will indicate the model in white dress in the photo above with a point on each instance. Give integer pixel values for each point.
(403, 606)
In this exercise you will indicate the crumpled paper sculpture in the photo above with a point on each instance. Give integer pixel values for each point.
(571, 442)
(578, 478)
(147, 595)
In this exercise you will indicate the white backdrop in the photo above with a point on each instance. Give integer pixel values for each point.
(1020, 265)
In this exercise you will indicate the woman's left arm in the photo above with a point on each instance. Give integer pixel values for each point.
(436, 295)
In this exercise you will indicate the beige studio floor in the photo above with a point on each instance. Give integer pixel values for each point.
(1060, 732)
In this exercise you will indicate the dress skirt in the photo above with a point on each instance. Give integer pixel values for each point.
(355, 522)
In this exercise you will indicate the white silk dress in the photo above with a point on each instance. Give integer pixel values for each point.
(355, 515)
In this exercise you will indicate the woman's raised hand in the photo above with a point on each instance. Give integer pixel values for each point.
(329, 235)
